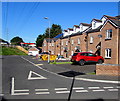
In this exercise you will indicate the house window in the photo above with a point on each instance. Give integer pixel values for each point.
(66, 43)
(91, 40)
(72, 42)
(109, 34)
(107, 53)
(78, 40)
(44, 44)
(94, 24)
(62, 43)
(52, 44)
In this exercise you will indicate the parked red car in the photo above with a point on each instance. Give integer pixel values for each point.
(84, 57)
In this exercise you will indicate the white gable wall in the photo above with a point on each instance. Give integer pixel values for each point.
(82, 28)
(95, 24)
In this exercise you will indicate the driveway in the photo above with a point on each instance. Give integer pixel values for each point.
(88, 68)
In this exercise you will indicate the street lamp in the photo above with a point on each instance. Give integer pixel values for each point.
(49, 37)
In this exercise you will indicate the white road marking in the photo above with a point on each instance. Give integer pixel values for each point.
(41, 89)
(20, 94)
(118, 86)
(60, 88)
(13, 89)
(94, 87)
(112, 89)
(83, 79)
(42, 93)
(107, 87)
(38, 76)
(39, 64)
(78, 88)
(81, 91)
(23, 90)
(101, 90)
(62, 92)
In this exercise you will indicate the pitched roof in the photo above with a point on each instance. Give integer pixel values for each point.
(59, 35)
(77, 26)
(70, 29)
(97, 20)
(33, 49)
(85, 24)
(94, 30)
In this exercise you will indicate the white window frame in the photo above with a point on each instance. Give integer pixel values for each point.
(108, 34)
(78, 41)
(44, 44)
(91, 39)
(108, 51)
(52, 44)
(66, 43)
(62, 43)
(72, 42)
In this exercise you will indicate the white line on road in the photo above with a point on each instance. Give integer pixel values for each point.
(42, 93)
(78, 88)
(81, 91)
(13, 89)
(118, 86)
(62, 92)
(101, 90)
(23, 90)
(107, 87)
(20, 94)
(94, 87)
(41, 89)
(60, 88)
(112, 89)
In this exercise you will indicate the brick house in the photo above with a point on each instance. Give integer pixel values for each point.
(110, 49)
(101, 37)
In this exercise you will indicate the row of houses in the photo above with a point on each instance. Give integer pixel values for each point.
(100, 36)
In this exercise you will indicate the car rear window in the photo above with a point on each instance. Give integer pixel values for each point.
(75, 54)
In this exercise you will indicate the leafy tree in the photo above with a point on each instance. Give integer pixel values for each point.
(54, 31)
(16, 40)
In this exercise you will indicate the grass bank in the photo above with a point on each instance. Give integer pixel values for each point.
(10, 51)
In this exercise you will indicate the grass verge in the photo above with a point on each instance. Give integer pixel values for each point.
(10, 51)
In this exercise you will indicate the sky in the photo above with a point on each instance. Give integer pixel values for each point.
(26, 19)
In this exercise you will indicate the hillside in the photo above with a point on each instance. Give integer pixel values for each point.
(10, 51)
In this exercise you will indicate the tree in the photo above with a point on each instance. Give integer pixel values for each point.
(54, 31)
(16, 40)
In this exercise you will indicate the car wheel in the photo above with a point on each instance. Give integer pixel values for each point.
(100, 61)
(81, 62)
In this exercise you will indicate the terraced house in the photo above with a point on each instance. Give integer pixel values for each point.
(100, 36)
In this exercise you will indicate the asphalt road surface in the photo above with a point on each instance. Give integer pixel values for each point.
(24, 78)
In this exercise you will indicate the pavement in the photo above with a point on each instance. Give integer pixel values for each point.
(62, 69)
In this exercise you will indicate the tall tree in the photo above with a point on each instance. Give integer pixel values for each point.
(16, 40)
(54, 31)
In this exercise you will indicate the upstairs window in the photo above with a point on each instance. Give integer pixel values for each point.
(66, 43)
(94, 24)
(72, 42)
(78, 40)
(62, 43)
(91, 40)
(109, 34)
(108, 53)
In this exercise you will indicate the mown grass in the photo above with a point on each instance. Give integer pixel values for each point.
(10, 51)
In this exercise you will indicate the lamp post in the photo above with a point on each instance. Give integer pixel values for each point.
(49, 37)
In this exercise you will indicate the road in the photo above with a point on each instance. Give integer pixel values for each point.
(24, 78)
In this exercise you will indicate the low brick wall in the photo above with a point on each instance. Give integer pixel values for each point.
(108, 69)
